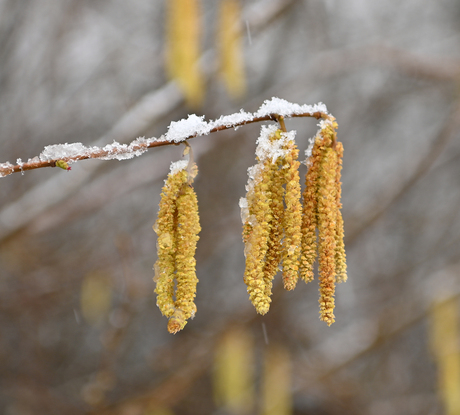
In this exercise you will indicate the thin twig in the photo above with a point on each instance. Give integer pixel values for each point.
(137, 146)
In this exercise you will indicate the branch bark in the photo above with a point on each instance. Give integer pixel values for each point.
(139, 146)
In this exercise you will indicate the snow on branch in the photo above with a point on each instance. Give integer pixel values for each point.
(178, 131)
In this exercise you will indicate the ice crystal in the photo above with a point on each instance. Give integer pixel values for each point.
(282, 107)
(6, 169)
(232, 119)
(177, 166)
(180, 130)
(61, 151)
(272, 149)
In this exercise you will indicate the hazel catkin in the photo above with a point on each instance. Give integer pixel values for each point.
(327, 214)
(292, 218)
(272, 216)
(321, 214)
(177, 228)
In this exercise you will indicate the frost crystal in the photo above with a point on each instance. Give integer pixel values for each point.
(272, 149)
(20, 163)
(117, 151)
(231, 120)
(180, 130)
(60, 151)
(309, 150)
(6, 169)
(282, 107)
(244, 206)
(177, 166)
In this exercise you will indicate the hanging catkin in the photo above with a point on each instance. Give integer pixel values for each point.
(271, 232)
(230, 47)
(183, 48)
(279, 233)
(177, 228)
(321, 213)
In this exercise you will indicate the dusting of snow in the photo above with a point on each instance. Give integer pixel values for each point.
(180, 130)
(117, 151)
(61, 151)
(177, 166)
(6, 169)
(140, 141)
(282, 107)
(309, 150)
(267, 149)
(273, 149)
(244, 206)
(231, 120)
(20, 163)
(323, 123)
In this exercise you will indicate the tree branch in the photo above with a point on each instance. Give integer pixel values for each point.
(178, 131)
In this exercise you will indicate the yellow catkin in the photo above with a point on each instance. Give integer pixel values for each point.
(292, 218)
(276, 382)
(233, 374)
(445, 345)
(165, 227)
(183, 48)
(188, 228)
(340, 257)
(230, 47)
(273, 255)
(277, 229)
(257, 242)
(327, 214)
(177, 228)
(310, 213)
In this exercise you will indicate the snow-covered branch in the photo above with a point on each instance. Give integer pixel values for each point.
(178, 131)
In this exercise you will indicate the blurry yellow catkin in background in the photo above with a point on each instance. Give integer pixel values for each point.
(158, 411)
(234, 373)
(230, 48)
(95, 297)
(445, 345)
(276, 392)
(183, 48)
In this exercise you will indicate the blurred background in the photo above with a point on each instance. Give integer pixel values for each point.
(80, 332)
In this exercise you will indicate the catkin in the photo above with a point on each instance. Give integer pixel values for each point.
(327, 214)
(292, 218)
(187, 237)
(177, 227)
(230, 47)
(310, 214)
(273, 255)
(321, 214)
(165, 227)
(183, 48)
(277, 229)
(259, 210)
(340, 257)
(272, 224)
